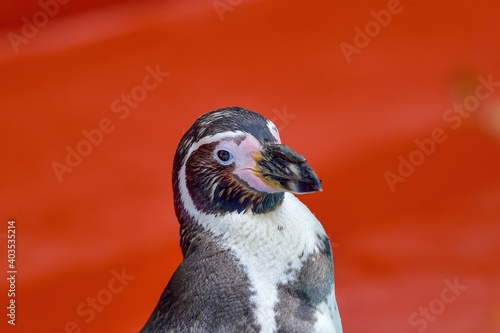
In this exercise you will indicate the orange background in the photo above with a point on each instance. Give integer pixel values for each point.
(354, 121)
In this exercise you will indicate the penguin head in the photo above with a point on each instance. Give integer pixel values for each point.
(232, 160)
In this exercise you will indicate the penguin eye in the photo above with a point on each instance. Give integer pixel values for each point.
(224, 156)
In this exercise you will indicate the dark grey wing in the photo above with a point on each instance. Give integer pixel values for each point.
(298, 301)
(209, 292)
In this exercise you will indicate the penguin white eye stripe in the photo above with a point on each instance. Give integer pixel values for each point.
(274, 130)
(211, 139)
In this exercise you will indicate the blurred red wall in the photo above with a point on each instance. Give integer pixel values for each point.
(396, 104)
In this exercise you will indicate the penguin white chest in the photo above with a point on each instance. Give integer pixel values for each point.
(271, 248)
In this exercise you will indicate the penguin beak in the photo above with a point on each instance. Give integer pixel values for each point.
(283, 169)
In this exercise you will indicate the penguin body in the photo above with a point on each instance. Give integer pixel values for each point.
(255, 258)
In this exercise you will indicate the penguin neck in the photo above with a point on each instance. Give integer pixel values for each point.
(290, 222)
(191, 227)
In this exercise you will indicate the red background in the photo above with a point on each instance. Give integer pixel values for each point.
(352, 120)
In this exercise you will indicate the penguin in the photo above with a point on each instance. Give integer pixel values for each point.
(255, 259)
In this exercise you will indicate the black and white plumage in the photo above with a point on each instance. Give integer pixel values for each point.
(255, 258)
